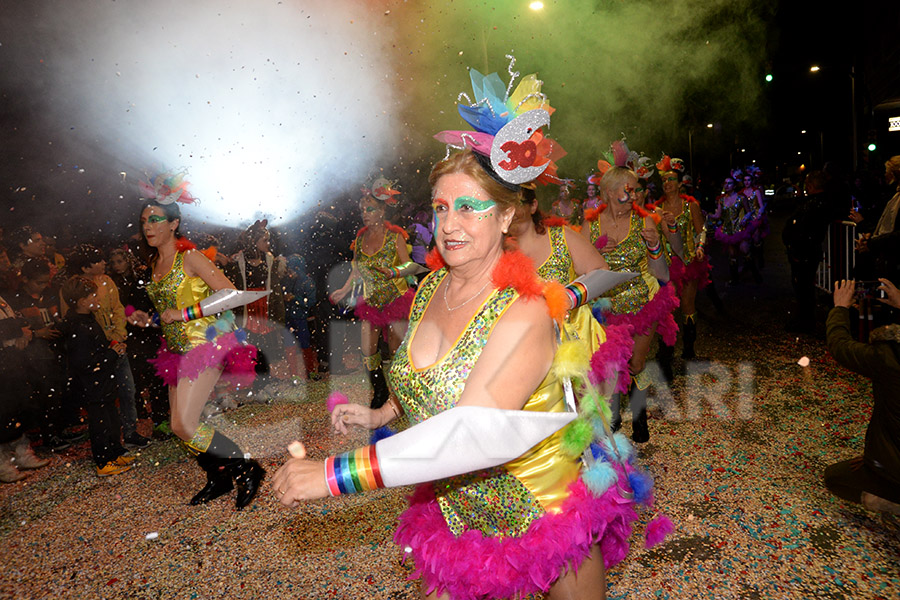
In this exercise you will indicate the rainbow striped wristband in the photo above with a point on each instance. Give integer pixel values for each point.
(656, 251)
(395, 272)
(353, 472)
(672, 228)
(192, 312)
(577, 293)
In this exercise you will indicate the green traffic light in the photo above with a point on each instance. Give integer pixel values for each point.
(769, 77)
(872, 147)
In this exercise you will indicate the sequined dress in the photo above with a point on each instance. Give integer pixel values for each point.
(189, 348)
(732, 230)
(499, 506)
(691, 268)
(639, 302)
(384, 300)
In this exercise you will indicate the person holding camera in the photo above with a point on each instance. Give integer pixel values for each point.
(872, 479)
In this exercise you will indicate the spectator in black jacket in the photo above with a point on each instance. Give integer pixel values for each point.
(92, 368)
(872, 479)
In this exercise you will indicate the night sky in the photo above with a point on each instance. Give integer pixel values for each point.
(287, 108)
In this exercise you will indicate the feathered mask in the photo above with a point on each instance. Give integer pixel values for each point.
(508, 128)
(383, 190)
(167, 188)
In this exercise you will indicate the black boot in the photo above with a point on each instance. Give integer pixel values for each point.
(760, 259)
(690, 336)
(733, 271)
(751, 264)
(615, 409)
(713, 295)
(380, 392)
(664, 356)
(218, 480)
(640, 433)
(247, 474)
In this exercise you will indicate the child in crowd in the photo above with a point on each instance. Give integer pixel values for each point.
(92, 367)
(88, 261)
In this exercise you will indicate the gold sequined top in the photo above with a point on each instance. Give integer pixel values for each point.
(177, 290)
(378, 290)
(630, 255)
(684, 223)
(505, 500)
(732, 216)
(558, 266)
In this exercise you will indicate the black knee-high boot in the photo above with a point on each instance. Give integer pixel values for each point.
(751, 264)
(247, 473)
(615, 408)
(640, 432)
(380, 392)
(690, 336)
(664, 356)
(733, 271)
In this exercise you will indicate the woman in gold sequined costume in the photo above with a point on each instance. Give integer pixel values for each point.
(380, 258)
(631, 242)
(197, 350)
(481, 337)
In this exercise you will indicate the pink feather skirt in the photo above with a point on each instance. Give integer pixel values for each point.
(396, 310)
(237, 360)
(474, 566)
(696, 270)
(658, 310)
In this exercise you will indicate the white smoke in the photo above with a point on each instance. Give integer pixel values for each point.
(268, 105)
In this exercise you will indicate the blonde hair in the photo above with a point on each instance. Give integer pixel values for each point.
(613, 179)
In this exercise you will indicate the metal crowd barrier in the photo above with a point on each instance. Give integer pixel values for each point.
(839, 255)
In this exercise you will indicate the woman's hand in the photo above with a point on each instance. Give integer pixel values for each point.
(299, 479)
(855, 216)
(844, 292)
(891, 291)
(355, 414)
(862, 244)
(651, 236)
(699, 253)
(667, 217)
(171, 315)
(140, 319)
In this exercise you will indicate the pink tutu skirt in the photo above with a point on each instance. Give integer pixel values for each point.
(696, 270)
(236, 358)
(396, 310)
(659, 310)
(474, 566)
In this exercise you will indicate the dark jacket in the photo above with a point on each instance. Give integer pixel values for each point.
(805, 230)
(90, 358)
(880, 362)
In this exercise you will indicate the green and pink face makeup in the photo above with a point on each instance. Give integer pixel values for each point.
(468, 207)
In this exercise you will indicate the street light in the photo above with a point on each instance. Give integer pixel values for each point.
(814, 69)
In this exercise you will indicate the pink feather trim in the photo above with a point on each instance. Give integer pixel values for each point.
(658, 310)
(601, 242)
(396, 310)
(696, 270)
(733, 239)
(611, 358)
(473, 566)
(237, 359)
(334, 400)
(657, 530)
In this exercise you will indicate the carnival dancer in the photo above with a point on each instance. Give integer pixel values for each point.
(759, 221)
(733, 215)
(564, 256)
(381, 263)
(478, 360)
(565, 206)
(629, 240)
(198, 346)
(689, 267)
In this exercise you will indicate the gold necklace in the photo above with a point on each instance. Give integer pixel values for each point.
(478, 293)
